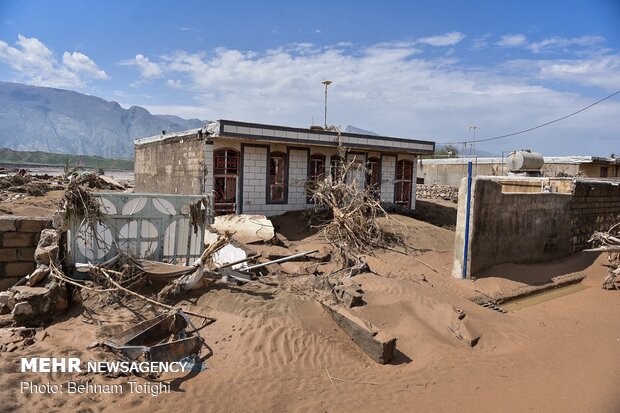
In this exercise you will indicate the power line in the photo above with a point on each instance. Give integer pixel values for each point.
(536, 127)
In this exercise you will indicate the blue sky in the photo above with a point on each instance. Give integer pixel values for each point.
(419, 69)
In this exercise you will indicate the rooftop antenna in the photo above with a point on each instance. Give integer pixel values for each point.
(326, 83)
(474, 128)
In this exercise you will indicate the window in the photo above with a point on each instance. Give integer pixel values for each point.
(317, 166)
(277, 178)
(316, 172)
(336, 164)
(604, 172)
(225, 174)
(373, 177)
(404, 175)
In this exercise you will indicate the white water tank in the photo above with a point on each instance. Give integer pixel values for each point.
(525, 161)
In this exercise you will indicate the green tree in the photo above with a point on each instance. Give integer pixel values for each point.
(447, 150)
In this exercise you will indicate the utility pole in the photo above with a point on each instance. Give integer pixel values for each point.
(474, 128)
(326, 83)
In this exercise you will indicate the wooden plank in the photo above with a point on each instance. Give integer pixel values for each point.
(378, 345)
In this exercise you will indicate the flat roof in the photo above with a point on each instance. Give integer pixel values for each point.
(302, 136)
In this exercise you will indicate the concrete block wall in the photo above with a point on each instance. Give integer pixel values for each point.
(174, 166)
(522, 227)
(208, 168)
(18, 240)
(596, 207)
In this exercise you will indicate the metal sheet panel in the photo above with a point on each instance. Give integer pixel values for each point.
(153, 226)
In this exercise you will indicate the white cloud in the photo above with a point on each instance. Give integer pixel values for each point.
(174, 83)
(394, 89)
(80, 63)
(561, 42)
(447, 39)
(480, 42)
(36, 64)
(148, 69)
(512, 40)
(601, 70)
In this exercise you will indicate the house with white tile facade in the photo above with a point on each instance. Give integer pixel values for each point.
(262, 169)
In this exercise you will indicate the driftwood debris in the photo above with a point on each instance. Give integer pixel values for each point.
(609, 242)
(353, 209)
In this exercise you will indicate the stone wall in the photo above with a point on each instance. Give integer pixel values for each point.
(445, 192)
(172, 166)
(18, 240)
(596, 207)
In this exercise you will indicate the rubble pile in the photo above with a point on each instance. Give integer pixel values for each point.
(19, 183)
(37, 298)
(445, 192)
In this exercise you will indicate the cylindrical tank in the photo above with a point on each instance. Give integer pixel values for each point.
(524, 161)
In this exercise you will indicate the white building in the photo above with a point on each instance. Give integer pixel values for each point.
(262, 169)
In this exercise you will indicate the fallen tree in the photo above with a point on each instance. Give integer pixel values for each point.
(351, 210)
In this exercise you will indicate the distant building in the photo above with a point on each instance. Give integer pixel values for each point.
(450, 171)
(262, 169)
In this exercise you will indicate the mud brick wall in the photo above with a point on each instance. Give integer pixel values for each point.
(18, 240)
(596, 207)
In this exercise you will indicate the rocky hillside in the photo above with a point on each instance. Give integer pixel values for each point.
(61, 121)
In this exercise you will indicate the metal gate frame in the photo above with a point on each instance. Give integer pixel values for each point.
(153, 226)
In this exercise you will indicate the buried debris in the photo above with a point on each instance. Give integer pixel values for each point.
(162, 338)
(246, 229)
(378, 345)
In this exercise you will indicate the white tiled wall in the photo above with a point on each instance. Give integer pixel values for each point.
(298, 173)
(254, 179)
(388, 170)
(254, 182)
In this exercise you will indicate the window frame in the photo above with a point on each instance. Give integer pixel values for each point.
(284, 184)
(228, 174)
(401, 182)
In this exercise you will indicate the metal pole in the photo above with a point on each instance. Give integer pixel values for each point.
(467, 212)
(292, 257)
(326, 83)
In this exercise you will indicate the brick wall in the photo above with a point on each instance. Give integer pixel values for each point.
(596, 207)
(18, 240)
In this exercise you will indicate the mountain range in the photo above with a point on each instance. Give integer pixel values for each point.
(62, 121)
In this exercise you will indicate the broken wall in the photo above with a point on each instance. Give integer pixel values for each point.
(170, 166)
(18, 240)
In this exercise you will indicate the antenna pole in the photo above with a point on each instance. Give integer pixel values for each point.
(326, 83)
